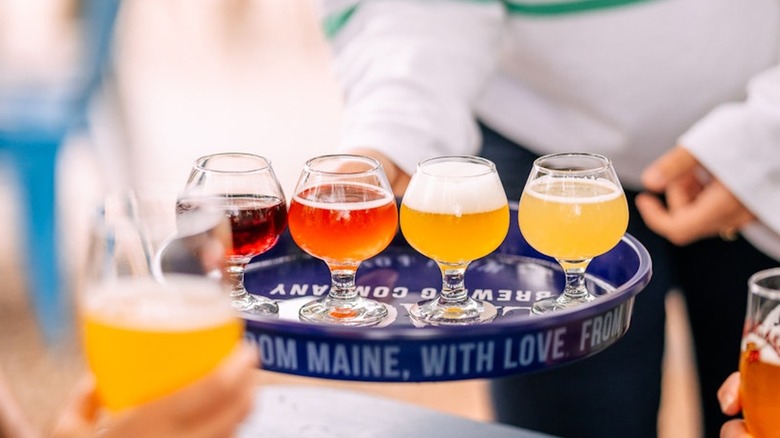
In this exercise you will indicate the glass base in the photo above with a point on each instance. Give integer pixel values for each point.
(359, 312)
(560, 302)
(434, 312)
(255, 305)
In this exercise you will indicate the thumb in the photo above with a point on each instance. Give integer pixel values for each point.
(677, 161)
(728, 395)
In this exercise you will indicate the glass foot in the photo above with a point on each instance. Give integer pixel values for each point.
(560, 302)
(434, 312)
(255, 305)
(359, 312)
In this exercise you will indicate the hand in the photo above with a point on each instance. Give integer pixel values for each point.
(211, 407)
(399, 179)
(730, 404)
(697, 204)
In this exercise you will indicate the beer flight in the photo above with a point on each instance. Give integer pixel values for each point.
(153, 308)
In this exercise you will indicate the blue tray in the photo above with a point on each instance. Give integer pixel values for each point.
(511, 278)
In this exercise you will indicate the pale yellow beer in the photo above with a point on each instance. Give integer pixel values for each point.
(759, 367)
(144, 339)
(455, 212)
(572, 218)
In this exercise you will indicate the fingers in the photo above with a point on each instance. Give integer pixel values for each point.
(683, 191)
(233, 378)
(399, 179)
(81, 412)
(683, 220)
(730, 404)
(211, 407)
(728, 395)
(734, 429)
(676, 162)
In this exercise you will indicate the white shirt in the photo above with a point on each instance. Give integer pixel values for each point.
(627, 81)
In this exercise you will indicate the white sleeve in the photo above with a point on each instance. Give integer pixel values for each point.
(410, 71)
(739, 143)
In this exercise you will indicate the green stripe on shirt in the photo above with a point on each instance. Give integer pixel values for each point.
(333, 23)
(562, 8)
(336, 21)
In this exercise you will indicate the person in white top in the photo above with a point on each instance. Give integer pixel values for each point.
(682, 95)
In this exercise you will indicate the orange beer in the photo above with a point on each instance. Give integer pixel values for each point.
(759, 367)
(572, 218)
(359, 223)
(144, 339)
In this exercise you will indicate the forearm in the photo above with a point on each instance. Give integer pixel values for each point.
(410, 71)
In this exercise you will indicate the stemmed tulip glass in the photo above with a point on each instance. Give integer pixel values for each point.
(251, 197)
(343, 212)
(454, 211)
(573, 209)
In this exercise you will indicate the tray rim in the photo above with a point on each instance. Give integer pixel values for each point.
(622, 292)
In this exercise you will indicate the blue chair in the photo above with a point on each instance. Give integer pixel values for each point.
(35, 120)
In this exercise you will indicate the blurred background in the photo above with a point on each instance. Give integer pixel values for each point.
(187, 79)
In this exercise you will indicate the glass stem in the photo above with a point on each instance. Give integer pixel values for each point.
(235, 275)
(453, 289)
(575, 289)
(343, 284)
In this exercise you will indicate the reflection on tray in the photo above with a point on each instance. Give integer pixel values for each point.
(511, 278)
(400, 277)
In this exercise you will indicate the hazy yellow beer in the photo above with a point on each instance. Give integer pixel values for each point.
(144, 339)
(454, 220)
(572, 218)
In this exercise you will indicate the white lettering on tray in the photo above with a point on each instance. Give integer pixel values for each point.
(369, 361)
(532, 348)
(453, 359)
(276, 352)
(602, 328)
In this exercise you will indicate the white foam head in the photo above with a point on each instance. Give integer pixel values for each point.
(385, 197)
(182, 302)
(455, 187)
(766, 352)
(578, 190)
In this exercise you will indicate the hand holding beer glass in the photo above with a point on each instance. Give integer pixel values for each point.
(147, 331)
(454, 211)
(573, 209)
(343, 212)
(252, 199)
(759, 363)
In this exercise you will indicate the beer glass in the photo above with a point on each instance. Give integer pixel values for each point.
(343, 212)
(759, 363)
(454, 211)
(152, 321)
(573, 209)
(253, 201)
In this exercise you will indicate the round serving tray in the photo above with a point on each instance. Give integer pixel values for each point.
(396, 350)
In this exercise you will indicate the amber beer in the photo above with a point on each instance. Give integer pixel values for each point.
(342, 232)
(760, 373)
(759, 363)
(144, 339)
